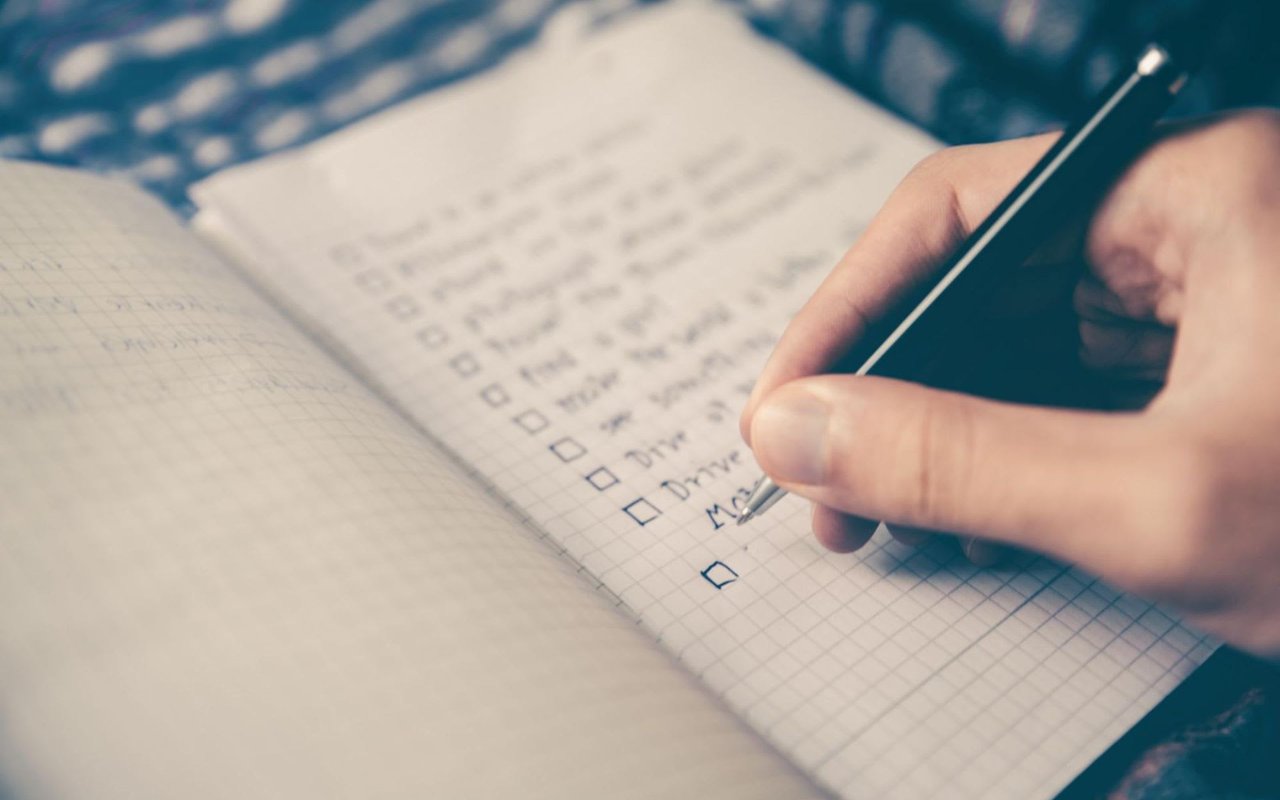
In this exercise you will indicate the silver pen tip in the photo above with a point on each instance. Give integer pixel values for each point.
(746, 517)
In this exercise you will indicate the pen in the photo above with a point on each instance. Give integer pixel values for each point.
(1086, 160)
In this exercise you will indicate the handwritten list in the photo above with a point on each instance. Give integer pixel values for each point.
(569, 273)
(558, 299)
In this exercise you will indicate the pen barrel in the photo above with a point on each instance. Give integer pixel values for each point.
(1068, 181)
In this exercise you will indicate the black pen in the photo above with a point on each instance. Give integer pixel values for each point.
(1088, 158)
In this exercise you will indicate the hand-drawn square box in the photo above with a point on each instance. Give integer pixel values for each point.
(642, 511)
(532, 421)
(433, 337)
(465, 365)
(495, 395)
(404, 308)
(346, 255)
(719, 574)
(373, 281)
(567, 449)
(602, 478)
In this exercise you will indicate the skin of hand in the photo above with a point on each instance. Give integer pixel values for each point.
(1176, 282)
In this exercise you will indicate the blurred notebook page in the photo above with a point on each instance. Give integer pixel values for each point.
(228, 570)
(570, 271)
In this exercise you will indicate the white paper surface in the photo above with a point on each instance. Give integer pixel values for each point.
(228, 570)
(570, 272)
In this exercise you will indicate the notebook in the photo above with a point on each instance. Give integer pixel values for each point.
(409, 468)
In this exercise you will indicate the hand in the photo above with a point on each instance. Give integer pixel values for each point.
(1176, 287)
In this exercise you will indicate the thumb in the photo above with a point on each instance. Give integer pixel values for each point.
(1050, 480)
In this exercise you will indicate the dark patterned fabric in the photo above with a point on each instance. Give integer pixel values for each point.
(1231, 755)
(1216, 736)
(166, 91)
(980, 70)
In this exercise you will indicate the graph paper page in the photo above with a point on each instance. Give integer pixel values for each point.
(569, 271)
(228, 570)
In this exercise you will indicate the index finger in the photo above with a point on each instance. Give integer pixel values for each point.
(929, 215)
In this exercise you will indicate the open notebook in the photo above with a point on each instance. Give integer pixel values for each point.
(409, 469)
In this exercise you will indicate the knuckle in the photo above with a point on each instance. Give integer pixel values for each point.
(936, 184)
(935, 172)
(939, 450)
(935, 164)
(1096, 352)
(1204, 181)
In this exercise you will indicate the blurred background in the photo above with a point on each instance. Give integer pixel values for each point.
(166, 91)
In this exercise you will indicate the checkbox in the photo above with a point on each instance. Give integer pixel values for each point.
(719, 574)
(567, 450)
(373, 281)
(532, 421)
(346, 255)
(404, 308)
(433, 337)
(602, 478)
(642, 511)
(465, 365)
(495, 395)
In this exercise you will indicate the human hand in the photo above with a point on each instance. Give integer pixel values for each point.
(1176, 286)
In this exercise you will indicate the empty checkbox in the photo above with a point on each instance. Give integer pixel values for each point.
(602, 478)
(532, 421)
(719, 574)
(373, 281)
(465, 365)
(346, 255)
(404, 308)
(433, 337)
(642, 511)
(568, 449)
(495, 395)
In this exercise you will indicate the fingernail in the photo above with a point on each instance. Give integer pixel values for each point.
(789, 436)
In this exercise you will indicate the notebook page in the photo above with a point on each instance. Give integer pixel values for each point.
(570, 271)
(228, 570)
